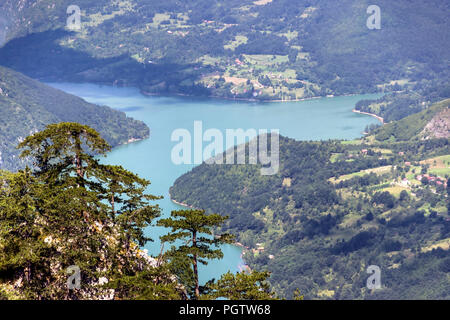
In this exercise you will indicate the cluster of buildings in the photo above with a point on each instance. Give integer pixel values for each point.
(439, 181)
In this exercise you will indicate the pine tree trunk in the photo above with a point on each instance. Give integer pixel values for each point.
(78, 161)
(194, 244)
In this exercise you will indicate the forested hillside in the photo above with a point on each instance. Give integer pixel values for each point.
(407, 100)
(333, 208)
(433, 122)
(284, 49)
(27, 106)
(336, 207)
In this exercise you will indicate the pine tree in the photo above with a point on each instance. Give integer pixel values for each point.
(195, 228)
(298, 295)
(72, 210)
(152, 284)
(59, 149)
(23, 251)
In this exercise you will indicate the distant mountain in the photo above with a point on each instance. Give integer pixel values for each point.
(27, 106)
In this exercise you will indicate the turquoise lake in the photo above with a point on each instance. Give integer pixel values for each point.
(316, 119)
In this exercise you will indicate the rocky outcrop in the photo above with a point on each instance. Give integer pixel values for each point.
(10, 17)
(439, 126)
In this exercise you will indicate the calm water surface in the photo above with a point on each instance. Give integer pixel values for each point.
(317, 119)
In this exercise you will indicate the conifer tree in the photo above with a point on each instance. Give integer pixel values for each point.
(242, 286)
(196, 229)
(72, 210)
(23, 251)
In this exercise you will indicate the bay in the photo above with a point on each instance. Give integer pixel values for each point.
(315, 119)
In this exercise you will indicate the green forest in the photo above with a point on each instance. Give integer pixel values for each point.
(265, 50)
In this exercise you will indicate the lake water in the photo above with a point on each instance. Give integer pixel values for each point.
(317, 119)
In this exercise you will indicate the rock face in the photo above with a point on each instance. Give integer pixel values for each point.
(10, 10)
(439, 126)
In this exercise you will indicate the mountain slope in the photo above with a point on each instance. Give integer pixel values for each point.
(335, 208)
(433, 122)
(28, 106)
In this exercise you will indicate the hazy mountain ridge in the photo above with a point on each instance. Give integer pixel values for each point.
(27, 106)
(272, 50)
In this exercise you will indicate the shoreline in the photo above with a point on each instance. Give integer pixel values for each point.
(370, 114)
(150, 94)
(182, 204)
(132, 140)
